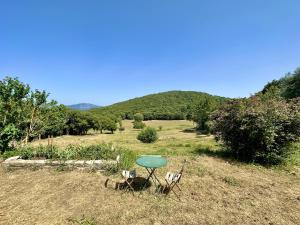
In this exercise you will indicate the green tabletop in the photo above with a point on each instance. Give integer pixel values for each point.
(151, 161)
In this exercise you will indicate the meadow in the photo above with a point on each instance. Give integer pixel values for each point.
(215, 188)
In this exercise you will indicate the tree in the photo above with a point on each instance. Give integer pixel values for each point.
(287, 87)
(13, 97)
(36, 101)
(201, 112)
(110, 125)
(77, 123)
(55, 118)
(293, 86)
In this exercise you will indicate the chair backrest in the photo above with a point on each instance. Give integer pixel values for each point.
(129, 174)
(181, 171)
(173, 177)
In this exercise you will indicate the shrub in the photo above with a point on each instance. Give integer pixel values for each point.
(148, 135)
(160, 128)
(138, 125)
(258, 129)
(138, 117)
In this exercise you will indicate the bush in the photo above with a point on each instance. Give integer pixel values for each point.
(148, 135)
(138, 117)
(258, 129)
(138, 125)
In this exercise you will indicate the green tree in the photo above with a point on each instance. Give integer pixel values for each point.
(201, 114)
(110, 125)
(13, 97)
(292, 89)
(35, 103)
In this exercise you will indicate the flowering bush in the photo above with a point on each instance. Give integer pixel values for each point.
(258, 129)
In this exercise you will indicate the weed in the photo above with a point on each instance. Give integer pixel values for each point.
(83, 221)
(231, 181)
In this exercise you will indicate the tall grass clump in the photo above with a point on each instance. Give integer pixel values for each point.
(102, 151)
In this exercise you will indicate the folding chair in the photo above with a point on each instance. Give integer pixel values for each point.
(128, 176)
(172, 180)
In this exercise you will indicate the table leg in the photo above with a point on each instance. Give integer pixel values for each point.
(151, 172)
(153, 177)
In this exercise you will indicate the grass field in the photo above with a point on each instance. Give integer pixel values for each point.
(216, 190)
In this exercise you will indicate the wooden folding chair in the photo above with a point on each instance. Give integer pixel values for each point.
(173, 180)
(129, 177)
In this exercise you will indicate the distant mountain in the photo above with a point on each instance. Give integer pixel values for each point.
(83, 106)
(170, 105)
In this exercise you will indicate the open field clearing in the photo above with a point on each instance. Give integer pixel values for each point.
(215, 190)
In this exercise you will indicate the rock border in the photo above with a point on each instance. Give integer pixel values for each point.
(17, 162)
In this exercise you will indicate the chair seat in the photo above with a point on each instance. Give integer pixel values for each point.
(129, 174)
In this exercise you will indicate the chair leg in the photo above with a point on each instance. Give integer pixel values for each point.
(172, 185)
(178, 187)
(129, 184)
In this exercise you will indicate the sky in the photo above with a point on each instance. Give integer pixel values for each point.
(103, 52)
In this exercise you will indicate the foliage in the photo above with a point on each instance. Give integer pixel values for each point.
(287, 87)
(200, 113)
(75, 152)
(148, 135)
(171, 105)
(8, 133)
(138, 117)
(258, 129)
(138, 125)
(78, 123)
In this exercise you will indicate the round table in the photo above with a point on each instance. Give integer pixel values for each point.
(151, 163)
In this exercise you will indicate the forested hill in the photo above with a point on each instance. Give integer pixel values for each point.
(287, 87)
(170, 105)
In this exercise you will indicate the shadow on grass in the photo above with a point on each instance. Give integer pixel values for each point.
(199, 133)
(138, 184)
(220, 153)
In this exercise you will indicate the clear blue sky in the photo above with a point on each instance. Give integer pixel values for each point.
(105, 51)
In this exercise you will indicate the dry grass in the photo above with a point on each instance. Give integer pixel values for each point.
(215, 191)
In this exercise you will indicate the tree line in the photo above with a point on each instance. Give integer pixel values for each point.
(26, 114)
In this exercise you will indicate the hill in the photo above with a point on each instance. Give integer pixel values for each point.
(170, 105)
(287, 87)
(83, 106)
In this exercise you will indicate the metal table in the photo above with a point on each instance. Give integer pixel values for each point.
(151, 163)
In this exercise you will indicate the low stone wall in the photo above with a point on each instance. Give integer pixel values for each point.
(16, 162)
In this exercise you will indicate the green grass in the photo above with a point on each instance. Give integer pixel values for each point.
(173, 141)
(102, 151)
